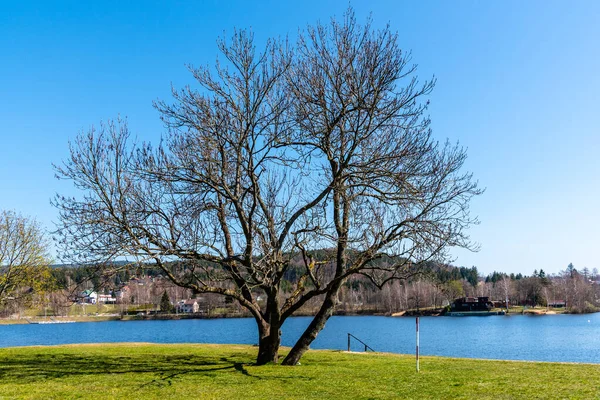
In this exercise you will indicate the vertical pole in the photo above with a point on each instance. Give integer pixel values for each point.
(348, 342)
(417, 353)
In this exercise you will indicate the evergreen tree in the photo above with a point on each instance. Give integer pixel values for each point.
(571, 270)
(165, 303)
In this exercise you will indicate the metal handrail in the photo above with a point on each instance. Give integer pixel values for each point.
(367, 347)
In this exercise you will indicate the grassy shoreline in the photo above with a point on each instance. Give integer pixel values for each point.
(174, 371)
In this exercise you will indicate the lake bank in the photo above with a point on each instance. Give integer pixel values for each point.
(427, 312)
(116, 371)
(156, 317)
(26, 321)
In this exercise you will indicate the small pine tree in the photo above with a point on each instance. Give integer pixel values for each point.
(165, 303)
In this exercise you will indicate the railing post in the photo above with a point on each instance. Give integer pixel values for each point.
(348, 342)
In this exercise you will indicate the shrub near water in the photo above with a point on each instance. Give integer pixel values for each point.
(226, 372)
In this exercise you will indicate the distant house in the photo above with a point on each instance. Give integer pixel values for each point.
(106, 299)
(88, 297)
(472, 304)
(557, 303)
(188, 306)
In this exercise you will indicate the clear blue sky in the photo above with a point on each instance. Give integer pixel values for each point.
(518, 85)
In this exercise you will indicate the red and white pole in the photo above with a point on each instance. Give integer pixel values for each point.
(417, 344)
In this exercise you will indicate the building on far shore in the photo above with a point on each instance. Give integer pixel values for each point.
(557, 303)
(87, 297)
(188, 306)
(91, 297)
(464, 304)
(107, 299)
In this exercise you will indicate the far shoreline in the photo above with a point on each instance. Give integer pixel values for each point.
(176, 317)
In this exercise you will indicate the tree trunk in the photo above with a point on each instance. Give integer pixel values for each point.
(313, 329)
(269, 333)
(268, 344)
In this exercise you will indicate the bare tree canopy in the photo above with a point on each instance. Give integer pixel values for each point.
(23, 257)
(284, 172)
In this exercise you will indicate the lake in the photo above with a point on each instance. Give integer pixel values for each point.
(572, 338)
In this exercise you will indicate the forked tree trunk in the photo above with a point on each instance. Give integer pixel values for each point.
(313, 329)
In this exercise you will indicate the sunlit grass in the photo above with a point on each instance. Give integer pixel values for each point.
(147, 371)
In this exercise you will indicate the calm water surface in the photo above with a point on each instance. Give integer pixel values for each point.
(574, 338)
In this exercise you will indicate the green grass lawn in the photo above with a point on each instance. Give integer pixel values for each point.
(146, 371)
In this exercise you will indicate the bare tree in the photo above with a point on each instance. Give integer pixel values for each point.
(505, 284)
(24, 258)
(316, 160)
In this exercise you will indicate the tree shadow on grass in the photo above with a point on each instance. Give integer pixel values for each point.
(167, 379)
(40, 366)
